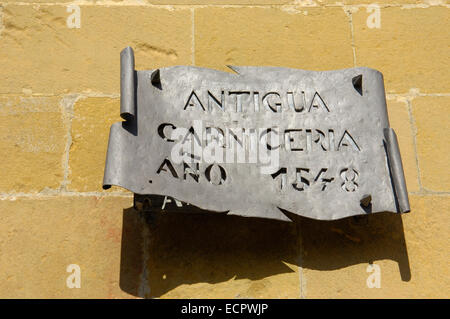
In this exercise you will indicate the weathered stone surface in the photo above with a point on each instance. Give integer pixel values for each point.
(92, 118)
(273, 37)
(41, 237)
(407, 48)
(111, 243)
(208, 256)
(432, 119)
(36, 1)
(218, 256)
(411, 251)
(40, 53)
(32, 140)
(400, 121)
(248, 2)
(220, 2)
(385, 3)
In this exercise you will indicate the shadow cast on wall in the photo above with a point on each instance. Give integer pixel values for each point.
(161, 251)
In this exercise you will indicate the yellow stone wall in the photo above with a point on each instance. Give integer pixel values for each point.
(59, 94)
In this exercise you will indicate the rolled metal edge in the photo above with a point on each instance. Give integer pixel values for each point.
(127, 84)
(396, 167)
(113, 163)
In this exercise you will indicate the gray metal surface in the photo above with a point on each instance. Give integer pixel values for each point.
(336, 155)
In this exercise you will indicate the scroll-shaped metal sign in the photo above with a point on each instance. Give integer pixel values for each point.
(259, 141)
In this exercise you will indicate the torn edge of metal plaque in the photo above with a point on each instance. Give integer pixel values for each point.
(156, 202)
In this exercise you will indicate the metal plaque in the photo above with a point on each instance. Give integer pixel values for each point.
(258, 141)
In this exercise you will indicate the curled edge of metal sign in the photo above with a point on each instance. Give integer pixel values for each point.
(128, 98)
